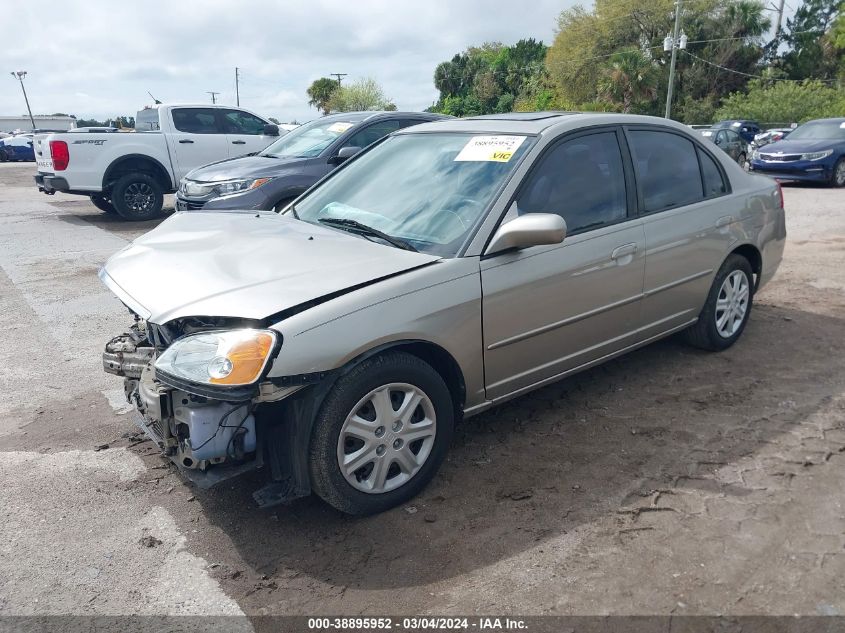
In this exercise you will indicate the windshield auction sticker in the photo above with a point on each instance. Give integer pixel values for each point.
(498, 149)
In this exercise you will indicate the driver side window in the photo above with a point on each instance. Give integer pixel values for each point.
(582, 180)
(374, 132)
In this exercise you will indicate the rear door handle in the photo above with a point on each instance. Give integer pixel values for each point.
(725, 220)
(238, 142)
(186, 140)
(623, 251)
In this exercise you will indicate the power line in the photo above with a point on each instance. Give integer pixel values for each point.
(339, 77)
(213, 95)
(739, 72)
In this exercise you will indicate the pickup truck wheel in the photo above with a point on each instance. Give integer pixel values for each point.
(103, 204)
(381, 434)
(137, 197)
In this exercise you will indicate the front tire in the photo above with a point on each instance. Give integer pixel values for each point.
(137, 197)
(728, 306)
(837, 179)
(743, 161)
(381, 434)
(103, 204)
(3, 156)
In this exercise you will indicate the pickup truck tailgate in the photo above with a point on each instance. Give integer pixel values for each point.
(43, 159)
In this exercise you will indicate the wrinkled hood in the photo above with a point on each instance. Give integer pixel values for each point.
(244, 265)
(244, 167)
(798, 146)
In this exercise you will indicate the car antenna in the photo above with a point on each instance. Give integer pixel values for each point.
(153, 98)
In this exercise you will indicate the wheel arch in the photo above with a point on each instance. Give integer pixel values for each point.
(133, 163)
(438, 357)
(754, 256)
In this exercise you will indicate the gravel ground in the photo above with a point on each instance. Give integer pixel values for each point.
(670, 481)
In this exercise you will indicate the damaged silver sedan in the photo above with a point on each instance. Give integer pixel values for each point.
(448, 268)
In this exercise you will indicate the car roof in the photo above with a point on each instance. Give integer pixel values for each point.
(837, 119)
(537, 123)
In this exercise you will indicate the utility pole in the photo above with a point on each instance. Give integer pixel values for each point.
(780, 18)
(339, 77)
(19, 75)
(675, 42)
(237, 92)
(213, 95)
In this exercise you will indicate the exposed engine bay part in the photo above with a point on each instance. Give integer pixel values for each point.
(127, 355)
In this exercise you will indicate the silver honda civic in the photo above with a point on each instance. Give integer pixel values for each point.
(450, 267)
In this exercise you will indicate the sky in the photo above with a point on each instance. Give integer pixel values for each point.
(94, 59)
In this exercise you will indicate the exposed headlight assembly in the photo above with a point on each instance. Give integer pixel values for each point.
(755, 155)
(226, 358)
(817, 155)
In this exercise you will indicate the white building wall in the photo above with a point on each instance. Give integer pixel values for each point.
(23, 124)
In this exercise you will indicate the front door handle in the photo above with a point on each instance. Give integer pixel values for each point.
(623, 251)
(186, 140)
(725, 220)
(238, 142)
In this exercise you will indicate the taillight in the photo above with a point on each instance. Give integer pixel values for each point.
(60, 154)
(780, 195)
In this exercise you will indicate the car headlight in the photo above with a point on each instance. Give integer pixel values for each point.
(225, 357)
(755, 155)
(817, 155)
(238, 186)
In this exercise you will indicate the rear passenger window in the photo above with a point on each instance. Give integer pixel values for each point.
(711, 176)
(196, 120)
(581, 180)
(667, 169)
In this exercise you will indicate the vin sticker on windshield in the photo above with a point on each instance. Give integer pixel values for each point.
(340, 127)
(498, 149)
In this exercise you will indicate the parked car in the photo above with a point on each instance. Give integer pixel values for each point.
(130, 173)
(17, 148)
(279, 173)
(446, 269)
(813, 152)
(770, 136)
(745, 128)
(729, 142)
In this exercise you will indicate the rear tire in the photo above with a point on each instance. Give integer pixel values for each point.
(728, 306)
(137, 197)
(396, 412)
(103, 204)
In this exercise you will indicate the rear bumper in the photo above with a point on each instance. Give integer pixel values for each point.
(810, 171)
(48, 183)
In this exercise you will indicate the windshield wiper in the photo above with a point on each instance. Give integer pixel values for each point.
(357, 227)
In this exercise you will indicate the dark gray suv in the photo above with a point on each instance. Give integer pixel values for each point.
(276, 175)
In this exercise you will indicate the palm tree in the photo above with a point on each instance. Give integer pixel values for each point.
(630, 79)
(320, 92)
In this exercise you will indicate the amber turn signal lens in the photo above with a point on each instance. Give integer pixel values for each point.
(247, 357)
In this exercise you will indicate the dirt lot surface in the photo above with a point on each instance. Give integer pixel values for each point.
(670, 481)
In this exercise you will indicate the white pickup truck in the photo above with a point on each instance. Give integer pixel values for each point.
(130, 173)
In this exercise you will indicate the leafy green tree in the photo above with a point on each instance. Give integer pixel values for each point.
(812, 41)
(364, 94)
(630, 80)
(320, 92)
(784, 102)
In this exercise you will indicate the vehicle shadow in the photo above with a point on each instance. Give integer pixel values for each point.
(566, 455)
(82, 211)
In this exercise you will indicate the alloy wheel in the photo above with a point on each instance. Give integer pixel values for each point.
(839, 175)
(386, 438)
(139, 197)
(732, 303)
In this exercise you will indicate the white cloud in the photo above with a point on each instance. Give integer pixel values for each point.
(96, 58)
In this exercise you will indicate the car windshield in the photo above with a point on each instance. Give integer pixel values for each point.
(307, 140)
(428, 190)
(819, 130)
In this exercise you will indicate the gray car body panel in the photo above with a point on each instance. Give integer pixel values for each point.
(494, 314)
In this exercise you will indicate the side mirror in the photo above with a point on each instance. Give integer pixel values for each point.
(532, 229)
(345, 153)
(271, 129)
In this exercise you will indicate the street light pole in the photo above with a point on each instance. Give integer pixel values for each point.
(19, 75)
(675, 42)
